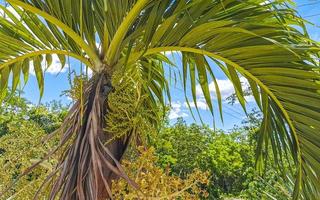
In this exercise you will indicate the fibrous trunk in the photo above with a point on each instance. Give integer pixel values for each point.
(87, 165)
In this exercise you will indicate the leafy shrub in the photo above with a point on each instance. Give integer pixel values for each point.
(157, 183)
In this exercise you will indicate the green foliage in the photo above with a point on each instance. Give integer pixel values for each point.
(270, 186)
(187, 147)
(19, 150)
(263, 41)
(48, 116)
(183, 148)
(157, 183)
(22, 127)
(180, 149)
(230, 158)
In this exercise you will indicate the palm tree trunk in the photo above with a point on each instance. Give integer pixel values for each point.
(117, 149)
(88, 166)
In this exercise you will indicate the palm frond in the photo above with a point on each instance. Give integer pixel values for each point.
(258, 40)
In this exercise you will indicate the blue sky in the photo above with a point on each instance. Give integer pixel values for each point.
(56, 83)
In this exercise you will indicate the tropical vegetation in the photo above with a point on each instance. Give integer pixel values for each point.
(124, 43)
(215, 164)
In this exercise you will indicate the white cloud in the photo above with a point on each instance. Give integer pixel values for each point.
(201, 103)
(176, 110)
(54, 68)
(225, 86)
(226, 89)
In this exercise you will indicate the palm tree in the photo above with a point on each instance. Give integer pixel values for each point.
(262, 41)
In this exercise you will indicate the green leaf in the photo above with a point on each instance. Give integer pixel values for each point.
(237, 85)
(203, 80)
(16, 71)
(48, 60)
(25, 70)
(39, 73)
(4, 82)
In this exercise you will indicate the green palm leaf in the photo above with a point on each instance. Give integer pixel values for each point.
(253, 39)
